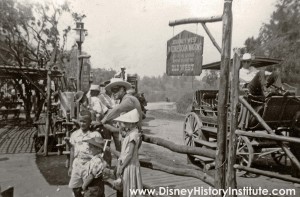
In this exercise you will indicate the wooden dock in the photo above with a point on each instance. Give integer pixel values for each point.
(16, 139)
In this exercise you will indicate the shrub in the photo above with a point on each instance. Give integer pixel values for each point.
(184, 104)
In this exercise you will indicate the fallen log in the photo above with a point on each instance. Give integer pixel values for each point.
(178, 171)
(267, 173)
(179, 148)
(268, 136)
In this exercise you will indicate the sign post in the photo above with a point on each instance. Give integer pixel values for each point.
(184, 54)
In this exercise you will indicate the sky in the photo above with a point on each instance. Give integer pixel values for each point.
(134, 33)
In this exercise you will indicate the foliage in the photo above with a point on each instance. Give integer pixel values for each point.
(280, 38)
(101, 75)
(29, 34)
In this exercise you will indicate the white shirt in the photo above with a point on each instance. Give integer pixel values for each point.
(246, 75)
(97, 105)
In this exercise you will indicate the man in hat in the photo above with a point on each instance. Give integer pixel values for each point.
(118, 87)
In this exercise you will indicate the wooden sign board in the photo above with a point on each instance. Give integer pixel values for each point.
(85, 75)
(184, 54)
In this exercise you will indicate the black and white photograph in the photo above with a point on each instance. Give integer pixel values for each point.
(142, 98)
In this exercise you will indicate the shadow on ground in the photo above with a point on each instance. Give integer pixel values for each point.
(53, 169)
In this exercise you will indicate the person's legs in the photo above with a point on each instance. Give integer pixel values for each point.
(95, 189)
(77, 192)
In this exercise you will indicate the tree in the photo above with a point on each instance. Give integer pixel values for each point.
(280, 38)
(29, 35)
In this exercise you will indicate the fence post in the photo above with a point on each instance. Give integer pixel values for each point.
(232, 141)
(223, 97)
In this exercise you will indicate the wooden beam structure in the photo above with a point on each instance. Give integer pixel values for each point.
(179, 148)
(195, 20)
(267, 173)
(268, 136)
(223, 97)
(232, 139)
(178, 171)
(211, 37)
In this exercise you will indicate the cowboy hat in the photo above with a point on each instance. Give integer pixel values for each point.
(96, 141)
(117, 82)
(131, 116)
(94, 87)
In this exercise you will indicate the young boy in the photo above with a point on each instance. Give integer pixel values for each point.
(81, 154)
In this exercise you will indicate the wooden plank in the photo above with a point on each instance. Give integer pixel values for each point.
(205, 159)
(210, 129)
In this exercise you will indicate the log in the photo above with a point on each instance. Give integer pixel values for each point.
(267, 173)
(284, 147)
(178, 171)
(268, 136)
(179, 148)
(195, 20)
(211, 37)
(223, 96)
(232, 140)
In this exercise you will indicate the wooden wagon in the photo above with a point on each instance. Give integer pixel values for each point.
(280, 114)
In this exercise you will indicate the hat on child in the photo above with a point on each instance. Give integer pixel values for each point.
(96, 141)
(131, 116)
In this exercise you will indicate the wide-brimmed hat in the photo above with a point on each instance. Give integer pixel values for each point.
(96, 141)
(117, 82)
(78, 96)
(131, 116)
(94, 87)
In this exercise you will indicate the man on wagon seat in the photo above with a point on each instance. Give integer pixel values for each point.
(259, 83)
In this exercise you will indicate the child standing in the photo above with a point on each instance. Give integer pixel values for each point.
(80, 157)
(128, 163)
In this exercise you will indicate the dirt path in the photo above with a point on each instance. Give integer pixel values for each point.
(168, 125)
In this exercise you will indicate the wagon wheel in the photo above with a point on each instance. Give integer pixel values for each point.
(280, 158)
(191, 131)
(244, 153)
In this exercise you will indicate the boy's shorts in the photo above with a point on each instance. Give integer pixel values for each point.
(78, 172)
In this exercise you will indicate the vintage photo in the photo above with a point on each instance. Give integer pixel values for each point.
(125, 98)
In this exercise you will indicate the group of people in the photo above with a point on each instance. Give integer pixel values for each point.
(106, 112)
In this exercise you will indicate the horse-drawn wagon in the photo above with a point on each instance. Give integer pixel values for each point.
(278, 114)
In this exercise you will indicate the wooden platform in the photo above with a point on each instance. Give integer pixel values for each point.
(16, 139)
(156, 179)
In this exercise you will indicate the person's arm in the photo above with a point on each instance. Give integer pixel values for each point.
(111, 128)
(127, 159)
(87, 181)
(125, 106)
(71, 160)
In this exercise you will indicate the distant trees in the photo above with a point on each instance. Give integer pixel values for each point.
(280, 38)
(29, 33)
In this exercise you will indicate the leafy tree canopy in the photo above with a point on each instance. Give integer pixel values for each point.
(280, 38)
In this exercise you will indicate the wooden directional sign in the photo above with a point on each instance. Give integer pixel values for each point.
(85, 73)
(184, 54)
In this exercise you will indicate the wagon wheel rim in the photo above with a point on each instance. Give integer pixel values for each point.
(244, 153)
(191, 129)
